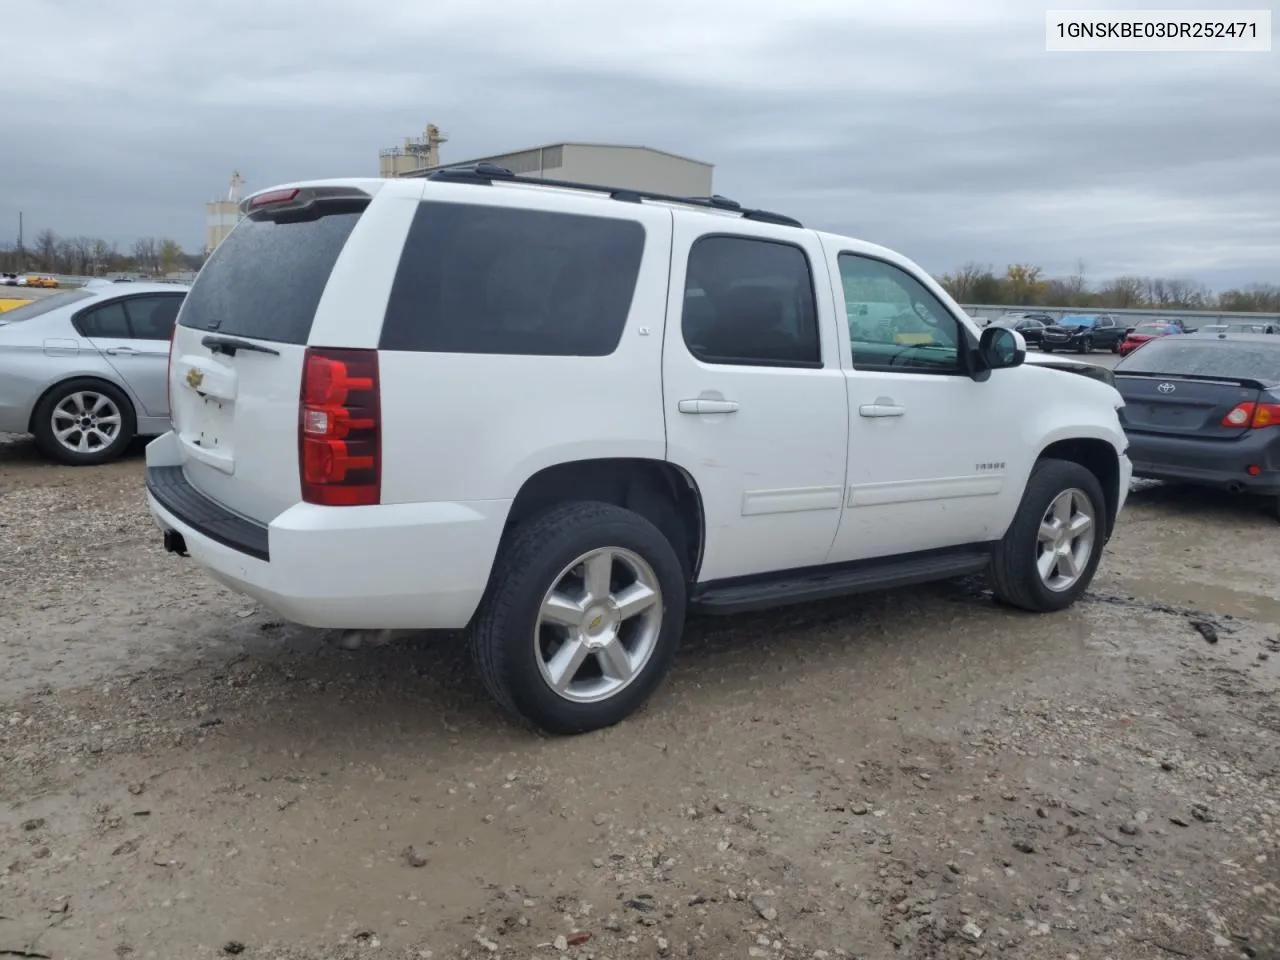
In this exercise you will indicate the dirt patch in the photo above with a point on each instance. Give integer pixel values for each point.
(920, 774)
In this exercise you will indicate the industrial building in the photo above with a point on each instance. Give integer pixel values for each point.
(603, 164)
(221, 215)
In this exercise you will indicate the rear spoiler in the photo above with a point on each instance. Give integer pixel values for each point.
(292, 204)
(1249, 383)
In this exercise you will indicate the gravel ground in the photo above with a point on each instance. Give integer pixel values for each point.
(916, 775)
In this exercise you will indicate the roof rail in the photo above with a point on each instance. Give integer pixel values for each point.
(487, 173)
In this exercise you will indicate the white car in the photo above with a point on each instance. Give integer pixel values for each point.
(562, 416)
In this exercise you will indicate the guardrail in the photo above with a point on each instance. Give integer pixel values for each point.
(1194, 317)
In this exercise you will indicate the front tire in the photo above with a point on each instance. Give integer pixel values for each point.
(1051, 551)
(582, 618)
(1086, 345)
(84, 422)
(1046, 348)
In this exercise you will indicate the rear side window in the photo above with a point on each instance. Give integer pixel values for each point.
(107, 322)
(265, 280)
(750, 302)
(1173, 356)
(481, 279)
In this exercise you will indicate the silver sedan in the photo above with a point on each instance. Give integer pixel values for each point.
(86, 370)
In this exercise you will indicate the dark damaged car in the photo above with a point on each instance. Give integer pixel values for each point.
(1204, 409)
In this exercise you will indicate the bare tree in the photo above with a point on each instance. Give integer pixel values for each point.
(99, 256)
(146, 254)
(964, 283)
(47, 249)
(1124, 292)
(170, 255)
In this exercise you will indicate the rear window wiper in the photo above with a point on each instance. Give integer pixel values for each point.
(216, 343)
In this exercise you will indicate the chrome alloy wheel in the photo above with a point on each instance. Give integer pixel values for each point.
(598, 625)
(86, 422)
(1065, 542)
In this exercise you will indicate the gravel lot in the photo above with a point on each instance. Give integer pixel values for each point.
(915, 775)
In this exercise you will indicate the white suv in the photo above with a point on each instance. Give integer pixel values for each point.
(563, 416)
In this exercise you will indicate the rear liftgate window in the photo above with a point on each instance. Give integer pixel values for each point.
(264, 281)
(481, 279)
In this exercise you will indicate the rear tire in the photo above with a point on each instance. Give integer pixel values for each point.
(1051, 520)
(84, 422)
(589, 563)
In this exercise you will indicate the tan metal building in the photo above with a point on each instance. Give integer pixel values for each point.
(221, 215)
(602, 164)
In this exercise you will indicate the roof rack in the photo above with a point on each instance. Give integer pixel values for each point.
(487, 173)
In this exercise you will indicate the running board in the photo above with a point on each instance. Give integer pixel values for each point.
(745, 594)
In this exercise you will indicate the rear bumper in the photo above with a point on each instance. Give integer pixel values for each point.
(395, 566)
(1209, 463)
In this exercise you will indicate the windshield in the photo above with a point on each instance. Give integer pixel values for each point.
(1187, 356)
(1077, 320)
(44, 305)
(1153, 328)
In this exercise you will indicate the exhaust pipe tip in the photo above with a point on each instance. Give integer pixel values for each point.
(174, 543)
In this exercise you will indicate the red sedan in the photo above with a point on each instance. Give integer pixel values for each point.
(1142, 333)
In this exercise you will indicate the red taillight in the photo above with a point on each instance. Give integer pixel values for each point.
(339, 428)
(273, 196)
(1253, 415)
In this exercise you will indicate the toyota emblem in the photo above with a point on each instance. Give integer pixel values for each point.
(1166, 388)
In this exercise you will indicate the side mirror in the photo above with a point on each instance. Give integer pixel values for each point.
(1000, 347)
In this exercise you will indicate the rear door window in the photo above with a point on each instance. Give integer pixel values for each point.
(750, 302)
(265, 280)
(500, 280)
(151, 318)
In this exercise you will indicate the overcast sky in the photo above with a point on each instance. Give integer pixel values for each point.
(937, 127)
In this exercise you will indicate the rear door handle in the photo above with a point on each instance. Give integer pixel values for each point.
(703, 405)
(116, 351)
(881, 409)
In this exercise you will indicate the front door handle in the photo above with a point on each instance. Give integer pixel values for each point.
(883, 407)
(702, 405)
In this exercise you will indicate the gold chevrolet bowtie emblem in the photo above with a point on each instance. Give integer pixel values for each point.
(595, 624)
(194, 378)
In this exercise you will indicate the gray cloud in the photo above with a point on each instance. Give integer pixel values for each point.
(941, 129)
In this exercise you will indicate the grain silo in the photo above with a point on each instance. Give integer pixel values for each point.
(221, 215)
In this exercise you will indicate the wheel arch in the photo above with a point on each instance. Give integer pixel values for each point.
(658, 490)
(1100, 458)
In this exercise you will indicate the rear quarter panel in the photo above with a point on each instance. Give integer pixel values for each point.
(463, 426)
